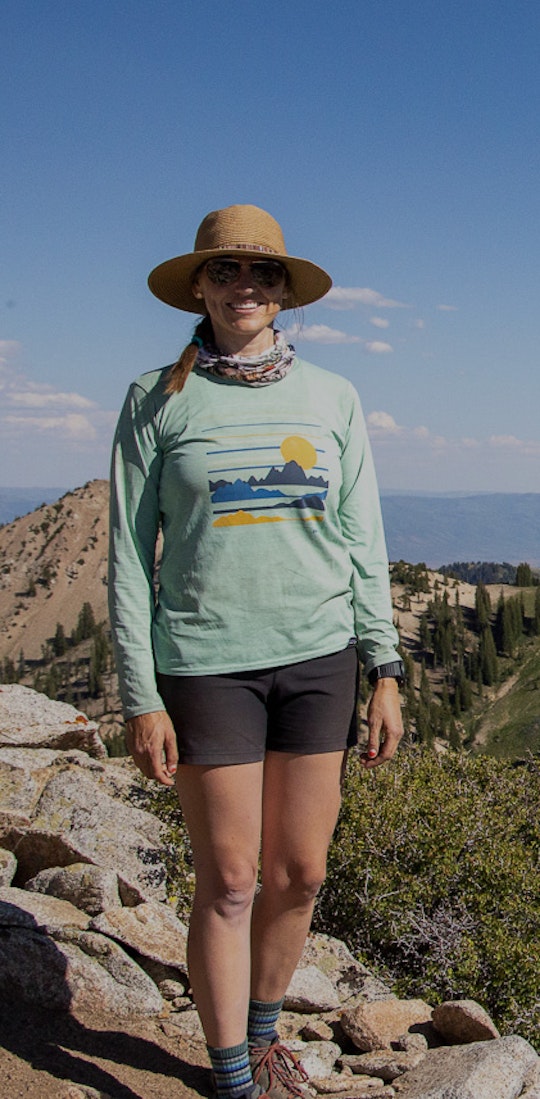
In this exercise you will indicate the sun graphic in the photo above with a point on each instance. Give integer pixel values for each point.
(296, 449)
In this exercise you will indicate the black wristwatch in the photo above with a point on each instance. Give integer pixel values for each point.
(394, 670)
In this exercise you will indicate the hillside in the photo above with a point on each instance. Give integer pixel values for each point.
(51, 562)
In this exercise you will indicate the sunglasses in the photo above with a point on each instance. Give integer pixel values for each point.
(265, 273)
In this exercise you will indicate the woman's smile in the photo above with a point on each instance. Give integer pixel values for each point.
(242, 315)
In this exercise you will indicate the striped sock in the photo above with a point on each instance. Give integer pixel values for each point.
(232, 1073)
(262, 1019)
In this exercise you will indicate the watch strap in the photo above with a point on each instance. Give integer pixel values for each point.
(393, 670)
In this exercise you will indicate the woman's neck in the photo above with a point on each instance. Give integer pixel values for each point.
(240, 344)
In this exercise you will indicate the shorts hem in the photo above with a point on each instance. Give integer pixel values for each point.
(315, 750)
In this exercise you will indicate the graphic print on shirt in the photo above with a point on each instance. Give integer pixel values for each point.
(265, 473)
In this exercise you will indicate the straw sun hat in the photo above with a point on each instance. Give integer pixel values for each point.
(238, 231)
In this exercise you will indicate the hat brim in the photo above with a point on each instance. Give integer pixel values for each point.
(171, 281)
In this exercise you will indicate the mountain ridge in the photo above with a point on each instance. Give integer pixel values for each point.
(434, 528)
(481, 527)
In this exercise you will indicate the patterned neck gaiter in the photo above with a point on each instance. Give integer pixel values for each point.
(263, 369)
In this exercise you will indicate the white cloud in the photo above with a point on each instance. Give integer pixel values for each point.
(377, 347)
(21, 392)
(448, 308)
(350, 297)
(36, 399)
(385, 430)
(379, 322)
(419, 323)
(505, 441)
(383, 422)
(320, 333)
(73, 425)
(510, 442)
(417, 458)
(47, 432)
(383, 427)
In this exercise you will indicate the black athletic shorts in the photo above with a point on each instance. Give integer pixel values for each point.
(304, 708)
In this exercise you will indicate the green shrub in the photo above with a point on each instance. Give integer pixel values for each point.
(177, 856)
(434, 879)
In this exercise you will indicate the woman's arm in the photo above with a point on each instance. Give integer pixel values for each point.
(134, 525)
(361, 521)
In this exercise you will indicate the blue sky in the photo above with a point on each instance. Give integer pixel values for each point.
(395, 140)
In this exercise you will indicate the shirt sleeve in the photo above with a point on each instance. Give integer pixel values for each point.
(134, 526)
(362, 526)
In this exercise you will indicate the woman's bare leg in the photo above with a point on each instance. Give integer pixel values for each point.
(222, 809)
(301, 800)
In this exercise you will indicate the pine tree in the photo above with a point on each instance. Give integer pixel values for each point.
(488, 657)
(454, 739)
(86, 623)
(425, 689)
(8, 671)
(535, 625)
(98, 662)
(524, 576)
(59, 641)
(425, 633)
(51, 682)
(482, 606)
(507, 628)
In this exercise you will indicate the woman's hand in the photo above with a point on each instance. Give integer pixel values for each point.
(151, 741)
(384, 722)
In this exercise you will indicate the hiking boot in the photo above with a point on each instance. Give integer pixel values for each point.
(277, 1071)
(253, 1092)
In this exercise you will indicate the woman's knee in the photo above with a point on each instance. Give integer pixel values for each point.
(300, 880)
(229, 889)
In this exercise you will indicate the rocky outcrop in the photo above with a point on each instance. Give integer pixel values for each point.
(70, 804)
(27, 723)
(84, 925)
(378, 1025)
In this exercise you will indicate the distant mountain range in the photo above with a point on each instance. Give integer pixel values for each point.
(419, 527)
(441, 529)
(15, 502)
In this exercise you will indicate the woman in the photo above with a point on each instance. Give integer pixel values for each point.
(239, 677)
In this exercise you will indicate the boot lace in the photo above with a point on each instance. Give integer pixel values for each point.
(281, 1065)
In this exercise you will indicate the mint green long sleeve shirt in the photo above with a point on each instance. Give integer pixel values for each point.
(273, 545)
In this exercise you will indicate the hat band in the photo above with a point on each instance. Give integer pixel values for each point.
(236, 247)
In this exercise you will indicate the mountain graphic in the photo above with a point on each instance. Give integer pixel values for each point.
(290, 487)
(313, 503)
(240, 490)
(291, 474)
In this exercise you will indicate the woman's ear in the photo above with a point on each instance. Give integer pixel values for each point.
(197, 292)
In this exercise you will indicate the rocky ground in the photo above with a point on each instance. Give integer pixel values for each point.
(94, 990)
(86, 1054)
(98, 1054)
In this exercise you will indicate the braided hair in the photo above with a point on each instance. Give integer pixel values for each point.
(188, 357)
